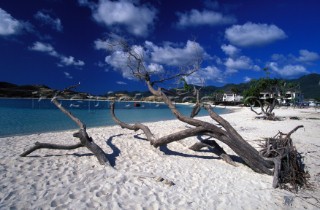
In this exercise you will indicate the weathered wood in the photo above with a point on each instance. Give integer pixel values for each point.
(217, 150)
(249, 154)
(267, 113)
(226, 134)
(39, 145)
(195, 110)
(85, 140)
(134, 127)
(150, 137)
(287, 166)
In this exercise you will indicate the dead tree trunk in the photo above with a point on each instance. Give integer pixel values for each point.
(82, 135)
(224, 132)
(260, 162)
(266, 108)
(227, 134)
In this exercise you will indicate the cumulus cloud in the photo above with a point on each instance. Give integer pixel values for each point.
(252, 34)
(137, 20)
(46, 19)
(64, 60)
(210, 73)
(304, 57)
(230, 50)
(70, 61)
(117, 60)
(205, 17)
(101, 44)
(155, 57)
(288, 71)
(240, 63)
(155, 68)
(175, 56)
(308, 56)
(8, 24)
(44, 47)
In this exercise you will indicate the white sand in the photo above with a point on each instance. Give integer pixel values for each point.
(51, 179)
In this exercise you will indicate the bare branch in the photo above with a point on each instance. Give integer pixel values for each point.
(39, 145)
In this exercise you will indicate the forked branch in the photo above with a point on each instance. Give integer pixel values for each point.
(85, 140)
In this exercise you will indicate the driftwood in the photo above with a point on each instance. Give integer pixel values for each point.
(222, 132)
(82, 135)
(266, 108)
(289, 170)
(278, 156)
(226, 133)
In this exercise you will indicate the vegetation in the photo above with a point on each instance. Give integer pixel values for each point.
(308, 84)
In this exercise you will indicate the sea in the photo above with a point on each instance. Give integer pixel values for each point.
(33, 116)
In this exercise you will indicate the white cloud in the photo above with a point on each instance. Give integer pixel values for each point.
(8, 25)
(230, 50)
(137, 20)
(210, 73)
(154, 57)
(46, 19)
(155, 68)
(121, 83)
(288, 70)
(206, 17)
(175, 56)
(240, 63)
(118, 60)
(308, 56)
(68, 75)
(252, 34)
(44, 47)
(70, 61)
(247, 79)
(48, 48)
(101, 44)
(278, 57)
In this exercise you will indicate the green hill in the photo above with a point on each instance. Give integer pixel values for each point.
(309, 86)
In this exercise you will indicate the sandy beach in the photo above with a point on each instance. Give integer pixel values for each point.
(143, 177)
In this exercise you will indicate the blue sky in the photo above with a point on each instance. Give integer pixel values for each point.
(63, 42)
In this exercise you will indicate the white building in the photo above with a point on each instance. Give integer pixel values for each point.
(292, 96)
(231, 97)
(289, 96)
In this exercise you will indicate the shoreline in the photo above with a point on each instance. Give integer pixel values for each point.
(18, 125)
(74, 179)
(102, 126)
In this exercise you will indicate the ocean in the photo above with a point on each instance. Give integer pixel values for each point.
(30, 116)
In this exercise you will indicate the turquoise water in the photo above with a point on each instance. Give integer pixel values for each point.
(28, 116)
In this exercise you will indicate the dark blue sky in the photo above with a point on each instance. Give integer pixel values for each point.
(59, 42)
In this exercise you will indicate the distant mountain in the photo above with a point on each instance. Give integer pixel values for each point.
(309, 86)
(8, 90)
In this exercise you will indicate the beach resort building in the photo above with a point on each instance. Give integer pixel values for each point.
(290, 96)
(231, 97)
